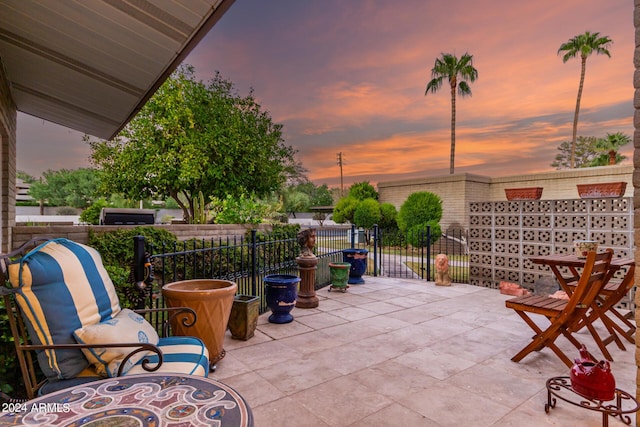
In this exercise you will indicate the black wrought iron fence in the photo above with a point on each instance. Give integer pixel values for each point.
(246, 260)
(243, 260)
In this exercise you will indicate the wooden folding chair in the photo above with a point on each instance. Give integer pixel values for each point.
(611, 293)
(564, 315)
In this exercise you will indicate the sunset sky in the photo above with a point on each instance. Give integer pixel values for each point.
(350, 77)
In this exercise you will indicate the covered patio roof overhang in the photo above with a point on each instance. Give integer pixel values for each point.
(91, 65)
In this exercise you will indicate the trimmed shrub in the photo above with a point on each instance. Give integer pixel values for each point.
(419, 208)
(362, 191)
(91, 215)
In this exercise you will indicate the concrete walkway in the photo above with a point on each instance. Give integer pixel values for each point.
(406, 353)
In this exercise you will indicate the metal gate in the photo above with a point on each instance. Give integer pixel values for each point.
(412, 255)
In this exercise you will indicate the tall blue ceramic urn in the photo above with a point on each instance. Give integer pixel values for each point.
(281, 295)
(358, 260)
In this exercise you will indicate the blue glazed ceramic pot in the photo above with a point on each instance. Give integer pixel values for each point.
(281, 294)
(358, 260)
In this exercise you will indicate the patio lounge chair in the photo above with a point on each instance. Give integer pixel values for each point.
(564, 315)
(63, 306)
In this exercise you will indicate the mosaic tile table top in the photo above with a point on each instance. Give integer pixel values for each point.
(137, 400)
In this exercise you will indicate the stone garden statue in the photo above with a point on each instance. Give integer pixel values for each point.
(442, 270)
(307, 241)
(307, 264)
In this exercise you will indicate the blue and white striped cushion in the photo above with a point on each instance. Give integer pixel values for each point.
(183, 355)
(63, 286)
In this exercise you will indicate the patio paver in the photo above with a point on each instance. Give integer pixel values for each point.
(405, 352)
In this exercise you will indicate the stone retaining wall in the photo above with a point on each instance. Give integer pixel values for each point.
(80, 233)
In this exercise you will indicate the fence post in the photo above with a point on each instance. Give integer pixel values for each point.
(254, 263)
(375, 250)
(428, 253)
(138, 268)
(353, 236)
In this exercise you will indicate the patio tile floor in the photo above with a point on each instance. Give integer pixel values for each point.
(408, 353)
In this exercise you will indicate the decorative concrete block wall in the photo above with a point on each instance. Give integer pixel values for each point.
(503, 235)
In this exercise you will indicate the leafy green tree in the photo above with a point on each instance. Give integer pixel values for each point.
(345, 209)
(322, 196)
(585, 152)
(609, 147)
(64, 187)
(319, 195)
(302, 197)
(363, 190)
(192, 137)
(419, 209)
(295, 201)
(583, 45)
(457, 72)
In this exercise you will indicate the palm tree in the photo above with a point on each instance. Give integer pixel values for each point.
(583, 45)
(609, 148)
(457, 71)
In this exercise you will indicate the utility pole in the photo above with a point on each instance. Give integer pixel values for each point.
(341, 182)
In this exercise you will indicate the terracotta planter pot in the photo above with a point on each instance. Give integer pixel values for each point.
(211, 300)
(604, 189)
(527, 193)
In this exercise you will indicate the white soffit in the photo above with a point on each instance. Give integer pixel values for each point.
(90, 65)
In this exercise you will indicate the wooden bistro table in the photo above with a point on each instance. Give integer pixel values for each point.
(572, 264)
(148, 400)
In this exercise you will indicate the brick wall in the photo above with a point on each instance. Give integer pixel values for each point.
(8, 120)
